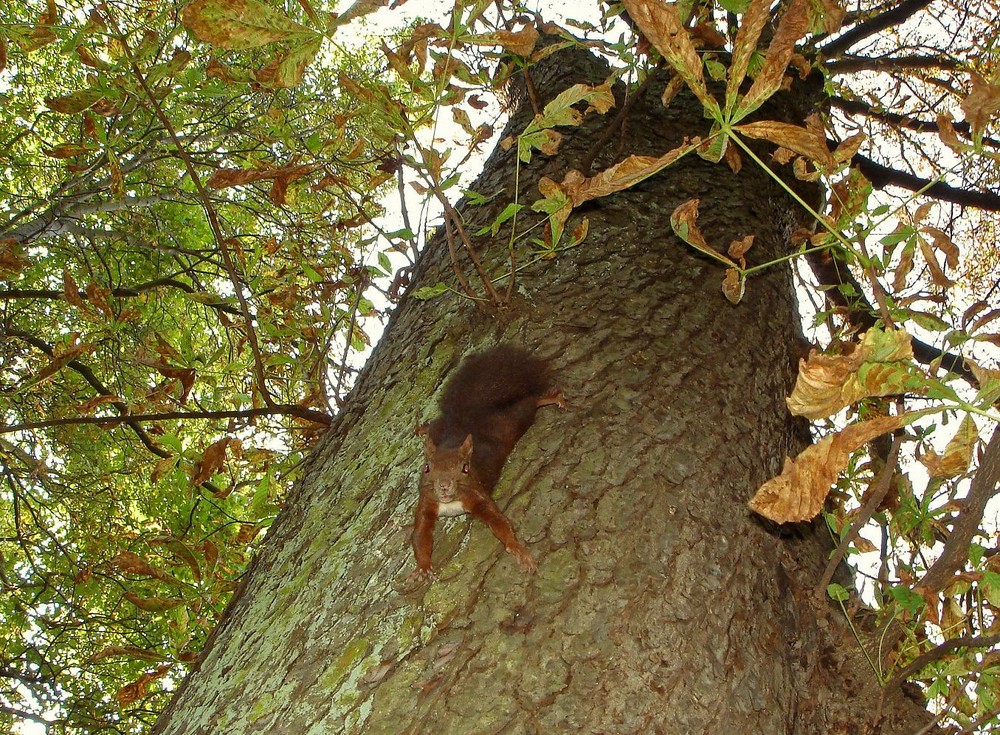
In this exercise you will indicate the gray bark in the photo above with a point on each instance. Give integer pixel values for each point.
(661, 604)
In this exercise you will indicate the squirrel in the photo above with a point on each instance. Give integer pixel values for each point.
(486, 407)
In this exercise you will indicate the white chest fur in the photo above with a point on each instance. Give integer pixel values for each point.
(454, 508)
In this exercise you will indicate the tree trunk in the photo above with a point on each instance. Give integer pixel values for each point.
(661, 604)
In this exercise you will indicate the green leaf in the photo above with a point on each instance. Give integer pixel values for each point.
(430, 292)
(838, 592)
(241, 24)
(907, 599)
(990, 585)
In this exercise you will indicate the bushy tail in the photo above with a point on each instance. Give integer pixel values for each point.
(493, 379)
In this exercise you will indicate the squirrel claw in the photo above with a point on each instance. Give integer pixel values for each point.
(553, 397)
(525, 559)
(420, 576)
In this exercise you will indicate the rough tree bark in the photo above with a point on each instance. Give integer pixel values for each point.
(661, 605)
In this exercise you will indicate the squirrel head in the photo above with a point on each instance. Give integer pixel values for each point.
(446, 470)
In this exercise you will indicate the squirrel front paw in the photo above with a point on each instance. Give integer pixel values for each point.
(524, 558)
(419, 576)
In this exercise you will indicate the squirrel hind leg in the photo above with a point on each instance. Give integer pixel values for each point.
(552, 397)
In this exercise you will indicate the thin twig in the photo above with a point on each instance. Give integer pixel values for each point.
(881, 487)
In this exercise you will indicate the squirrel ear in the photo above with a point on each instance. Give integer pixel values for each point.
(429, 446)
(467, 444)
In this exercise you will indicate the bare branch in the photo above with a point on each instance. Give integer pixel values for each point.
(850, 64)
(882, 176)
(860, 32)
(856, 107)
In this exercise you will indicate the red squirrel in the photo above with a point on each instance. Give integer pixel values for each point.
(485, 408)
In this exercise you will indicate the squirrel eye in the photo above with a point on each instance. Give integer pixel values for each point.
(465, 468)
(427, 468)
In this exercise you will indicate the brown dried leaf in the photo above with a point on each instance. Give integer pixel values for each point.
(942, 242)
(226, 177)
(757, 14)
(972, 311)
(903, 269)
(132, 693)
(739, 248)
(809, 141)
(360, 8)
(938, 276)
(520, 43)
(163, 466)
(733, 285)
(12, 259)
(621, 176)
(98, 296)
(66, 150)
(733, 159)
(87, 407)
(982, 103)
(879, 365)
(793, 25)
(833, 15)
(957, 454)
(71, 292)
(131, 563)
(71, 104)
(661, 24)
(141, 654)
(798, 493)
(213, 459)
(684, 221)
(949, 136)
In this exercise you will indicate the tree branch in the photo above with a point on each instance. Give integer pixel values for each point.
(210, 214)
(856, 107)
(87, 374)
(938, 651)
(274, 410)
(882, 176)
(880, 487)
(120, 292)
(966, 526)
(849, 64)
(879, 23)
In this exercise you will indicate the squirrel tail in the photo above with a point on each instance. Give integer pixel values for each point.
(493, 379)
